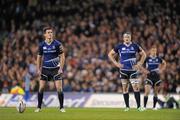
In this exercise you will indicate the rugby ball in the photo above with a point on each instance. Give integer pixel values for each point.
(21, 106)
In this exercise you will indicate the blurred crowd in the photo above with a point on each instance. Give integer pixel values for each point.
(88, 29)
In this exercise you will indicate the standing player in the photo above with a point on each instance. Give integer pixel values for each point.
(128, 66)
(50, 62)
(154, 65)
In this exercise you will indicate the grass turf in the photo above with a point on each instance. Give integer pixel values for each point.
(89, 114)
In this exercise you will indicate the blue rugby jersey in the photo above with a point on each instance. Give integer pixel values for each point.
(127, 55)
(50, 53)
(152, 63)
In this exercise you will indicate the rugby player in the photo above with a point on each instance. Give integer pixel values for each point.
(129, 67)
(50, 62)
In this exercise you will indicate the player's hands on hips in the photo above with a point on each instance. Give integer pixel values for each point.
(60, 71)
(137, 66)
(146, 71)
(119, 65)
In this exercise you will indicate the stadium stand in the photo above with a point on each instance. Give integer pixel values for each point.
(88, 29)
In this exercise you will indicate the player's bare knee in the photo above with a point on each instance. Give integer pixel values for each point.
(146, 93)
(59, 89)
(136, 89)
(41, 89)
(41, 86)
(125, 89)
(155, 93)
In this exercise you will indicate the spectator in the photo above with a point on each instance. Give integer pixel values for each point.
(88, 30)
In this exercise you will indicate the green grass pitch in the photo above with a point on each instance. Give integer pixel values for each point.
(89, 114)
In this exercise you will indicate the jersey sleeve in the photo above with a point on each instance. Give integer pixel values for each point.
(40, 50)
(138, 48)
(60, 49)
(160, 60)
(145, 61)
(116, 48)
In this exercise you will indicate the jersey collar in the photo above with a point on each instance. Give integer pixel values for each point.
(153, 56)
(49, 43)
(127, 45)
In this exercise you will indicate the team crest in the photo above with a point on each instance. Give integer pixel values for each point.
(53, 47)
(132, 48)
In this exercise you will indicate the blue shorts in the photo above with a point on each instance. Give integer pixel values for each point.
(48, 74)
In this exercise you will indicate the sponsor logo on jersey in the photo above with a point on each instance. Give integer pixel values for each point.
(132, 48)
(44, 47)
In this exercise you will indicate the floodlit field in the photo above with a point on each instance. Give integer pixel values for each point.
(89, 114)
